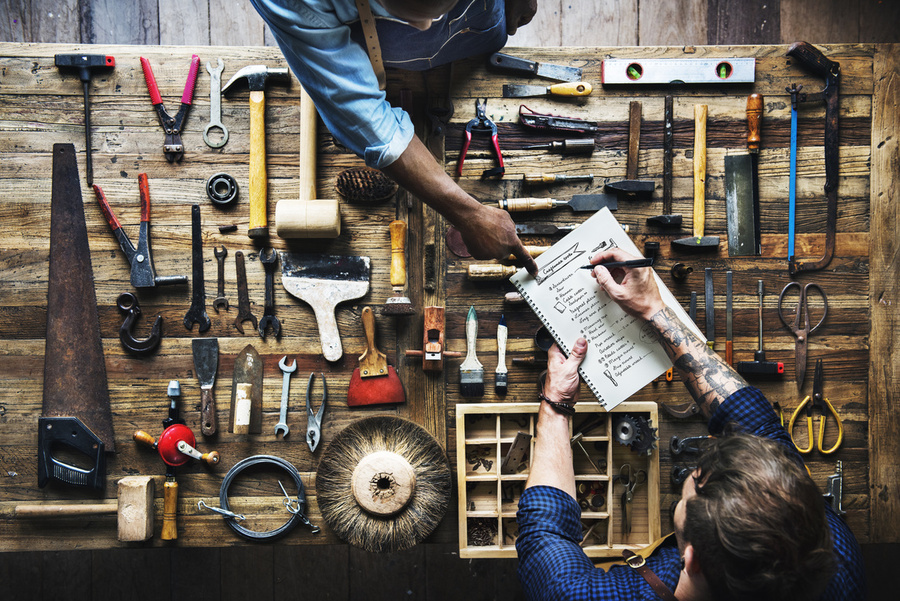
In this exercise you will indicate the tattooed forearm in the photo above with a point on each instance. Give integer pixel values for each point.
(708, 378)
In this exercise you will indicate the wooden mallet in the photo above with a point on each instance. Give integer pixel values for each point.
(308, 217)
(133, 509)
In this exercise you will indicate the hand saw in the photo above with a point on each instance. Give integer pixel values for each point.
(76, 409)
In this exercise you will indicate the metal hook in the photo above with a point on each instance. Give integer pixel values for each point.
(219, 510)
(128, 303)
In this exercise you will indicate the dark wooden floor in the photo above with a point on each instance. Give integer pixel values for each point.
(336, 571)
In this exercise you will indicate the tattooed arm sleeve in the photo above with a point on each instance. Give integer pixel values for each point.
(709, 379)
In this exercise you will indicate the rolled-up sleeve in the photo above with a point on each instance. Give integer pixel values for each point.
(336, 73)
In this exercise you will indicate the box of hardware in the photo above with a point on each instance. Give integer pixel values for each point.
(612, 452)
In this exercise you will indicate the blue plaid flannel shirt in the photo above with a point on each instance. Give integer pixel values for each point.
(553, 566)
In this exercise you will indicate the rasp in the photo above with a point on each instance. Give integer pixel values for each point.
(76, 408)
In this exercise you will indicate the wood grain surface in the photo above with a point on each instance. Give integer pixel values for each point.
(40, 106)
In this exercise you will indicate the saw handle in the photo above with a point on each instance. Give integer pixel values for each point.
(700, 112)
(754, 121)
(398, 252)
(810, 57)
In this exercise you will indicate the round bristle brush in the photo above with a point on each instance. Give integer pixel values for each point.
(365, 185)
(383, 484)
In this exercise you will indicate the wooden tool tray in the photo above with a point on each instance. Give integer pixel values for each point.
(488, 499)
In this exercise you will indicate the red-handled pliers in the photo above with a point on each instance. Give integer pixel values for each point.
(481, 124)
(173, 147)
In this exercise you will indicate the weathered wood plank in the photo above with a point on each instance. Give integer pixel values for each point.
(878, 21)
(741, 22)
(112, 22)
(39, 21)
(231, 20)
(663, 23)
(883, 296)
(820, 21)
(189, 27)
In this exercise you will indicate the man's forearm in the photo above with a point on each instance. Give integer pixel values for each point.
(551, 463)
(708, 378)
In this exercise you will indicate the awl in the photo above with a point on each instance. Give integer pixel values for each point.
(520, 66)
(742, 189)
(579, 202)
(571, 88)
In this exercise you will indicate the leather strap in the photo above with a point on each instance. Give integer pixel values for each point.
(638, 563)
(373, 47)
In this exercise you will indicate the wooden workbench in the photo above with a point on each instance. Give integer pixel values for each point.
(40, 107)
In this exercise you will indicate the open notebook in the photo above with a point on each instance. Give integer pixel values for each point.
(623, 353)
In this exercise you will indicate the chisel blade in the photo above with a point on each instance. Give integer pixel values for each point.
(741, 205)
(593, 202)
(543, 229)
(520, 66)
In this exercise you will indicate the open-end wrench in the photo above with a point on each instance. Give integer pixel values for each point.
(215, 105)
(197, 312)
(287, 370)
(270, 262)
(221, 302)
(243, 294)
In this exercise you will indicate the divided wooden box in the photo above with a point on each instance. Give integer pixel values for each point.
(488, 499)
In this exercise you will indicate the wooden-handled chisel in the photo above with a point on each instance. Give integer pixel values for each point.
(568, 89)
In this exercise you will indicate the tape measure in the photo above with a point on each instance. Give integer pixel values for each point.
(619, 71)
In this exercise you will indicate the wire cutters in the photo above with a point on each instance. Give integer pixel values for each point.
(173, 148)
(314, 419)
(802, 333)
(817, 403)
(143, 274)
(483, 125)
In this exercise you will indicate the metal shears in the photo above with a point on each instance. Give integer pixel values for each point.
(173, 148)
(483, 125)
(630, 479)
(802, 333)
(817, 403)
(314, 418)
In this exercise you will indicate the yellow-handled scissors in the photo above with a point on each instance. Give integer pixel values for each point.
(817, 402)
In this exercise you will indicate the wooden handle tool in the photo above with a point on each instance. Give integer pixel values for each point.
(700, 112)
(372, 362)
(398, 253)
(170, 509)
(259, 183)
(754, 121)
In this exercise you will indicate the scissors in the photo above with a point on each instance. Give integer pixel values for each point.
(630, 479)
(817, 403)
(802, 333)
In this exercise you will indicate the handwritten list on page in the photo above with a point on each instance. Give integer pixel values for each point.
(623, 352)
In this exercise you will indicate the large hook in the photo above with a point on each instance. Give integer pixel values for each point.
(128, 303)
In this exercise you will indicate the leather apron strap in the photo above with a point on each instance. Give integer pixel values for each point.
(636, 562)
(367, 20)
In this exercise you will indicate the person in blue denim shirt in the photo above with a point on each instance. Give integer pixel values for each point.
(322, 42)
(750, 524)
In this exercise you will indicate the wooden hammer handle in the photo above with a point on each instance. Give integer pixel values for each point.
(754, 120)
(398, 252)
(700, 112)
(64, 510)
(308, 125)
(259, 183)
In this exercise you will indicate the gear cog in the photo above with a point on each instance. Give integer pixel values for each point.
(625, 429)
(635, 432)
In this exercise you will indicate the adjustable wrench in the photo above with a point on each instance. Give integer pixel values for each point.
(270, 262)
(221, 302)
(215, 105)
(243, 294)
(287, 370)
(197, 312)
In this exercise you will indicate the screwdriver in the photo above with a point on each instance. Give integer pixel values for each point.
(552, 178)
(759, 366)
(585, 146)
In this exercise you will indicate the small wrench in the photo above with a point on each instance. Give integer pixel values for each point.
(287, 370)
(197, 312)
(221, 302)
(215, 105)
(270, 262)
(243, 294)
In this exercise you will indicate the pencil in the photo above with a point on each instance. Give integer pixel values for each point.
(632, 263)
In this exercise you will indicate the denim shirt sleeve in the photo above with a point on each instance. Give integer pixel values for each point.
(315, 39)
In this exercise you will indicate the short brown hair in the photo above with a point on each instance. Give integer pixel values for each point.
(757, 522)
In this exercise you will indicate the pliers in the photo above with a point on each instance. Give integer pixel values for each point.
(483, 125)
(143, 274)
(817, 403)
(172, 147)
(314, 419)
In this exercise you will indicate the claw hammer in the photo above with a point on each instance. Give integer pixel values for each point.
(257, 77)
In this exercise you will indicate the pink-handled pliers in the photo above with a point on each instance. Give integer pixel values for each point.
(481, 124)
(173, 148)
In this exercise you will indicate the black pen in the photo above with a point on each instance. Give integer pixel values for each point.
(632, 263)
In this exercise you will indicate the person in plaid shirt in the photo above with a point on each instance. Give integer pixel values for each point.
(751, 523)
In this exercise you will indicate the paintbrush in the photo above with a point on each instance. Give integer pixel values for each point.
(471, 371)
(501, 375)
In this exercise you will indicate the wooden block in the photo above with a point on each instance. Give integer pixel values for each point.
(135, 513)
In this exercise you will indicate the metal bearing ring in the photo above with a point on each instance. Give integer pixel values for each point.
(222, 188)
